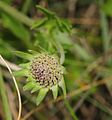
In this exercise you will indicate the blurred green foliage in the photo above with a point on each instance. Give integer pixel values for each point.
(87, 49)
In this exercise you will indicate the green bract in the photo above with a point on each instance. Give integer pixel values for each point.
(43, 72)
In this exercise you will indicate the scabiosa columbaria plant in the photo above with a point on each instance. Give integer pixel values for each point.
(44, 72)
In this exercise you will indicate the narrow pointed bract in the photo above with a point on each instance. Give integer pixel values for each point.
(25, 65)
(36, 88)
(62, 85)
(29, 86)
(55, 91)
(22, 72)
(23, 55)
(41, 95)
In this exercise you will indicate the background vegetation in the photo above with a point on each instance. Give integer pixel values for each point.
(87, 47)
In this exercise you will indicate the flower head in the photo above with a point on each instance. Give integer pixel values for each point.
(44, 72)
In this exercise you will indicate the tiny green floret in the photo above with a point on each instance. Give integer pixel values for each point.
(44, 72)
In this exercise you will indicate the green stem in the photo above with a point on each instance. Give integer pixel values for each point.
(16, 14)
(6, 108)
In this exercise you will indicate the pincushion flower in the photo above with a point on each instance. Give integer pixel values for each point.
(44, 72)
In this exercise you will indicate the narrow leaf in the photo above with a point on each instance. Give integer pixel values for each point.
(23, 55)
(55, 91)
(22, 72)
(45, 11)
(29, 86)
(25, 65)
(33, 52)
(39, 23)
(41, 95)
(36, 88)
(30, 79)
(62, 85)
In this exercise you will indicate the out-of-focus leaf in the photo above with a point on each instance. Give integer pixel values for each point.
(82, 53)
(5, 49)
(16, 28)
(23, 55)
(107, 7)
(45, 11)
(63, 38)
(39, 23)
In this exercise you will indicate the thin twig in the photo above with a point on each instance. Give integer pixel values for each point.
(18, 92)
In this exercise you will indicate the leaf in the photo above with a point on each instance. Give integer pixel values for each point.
(16, 28)
(5, 48)
(25, 65)
(107, 7)
(36, 88)
(55, 91)
(30, 78)
(23, 55)
(41, 95)
(39, 23)
(82, 52)
(45, 11)
(29, 86)
(33, 52)
(62, 85)
(63, 37)
(22, 72)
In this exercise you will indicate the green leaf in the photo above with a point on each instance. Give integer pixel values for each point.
(23, 55)
(62, 85)
(30, 78)
(39, 23)
(107, 7)
(24, 65)
(29, 86)
(5, 48)
(16, 28)
(33, 52)
(82, 52)
(36, 88)
(4, 100)
(63, 37)
(41, 95)
(22, 72)
(55, 91)
(45, 11)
